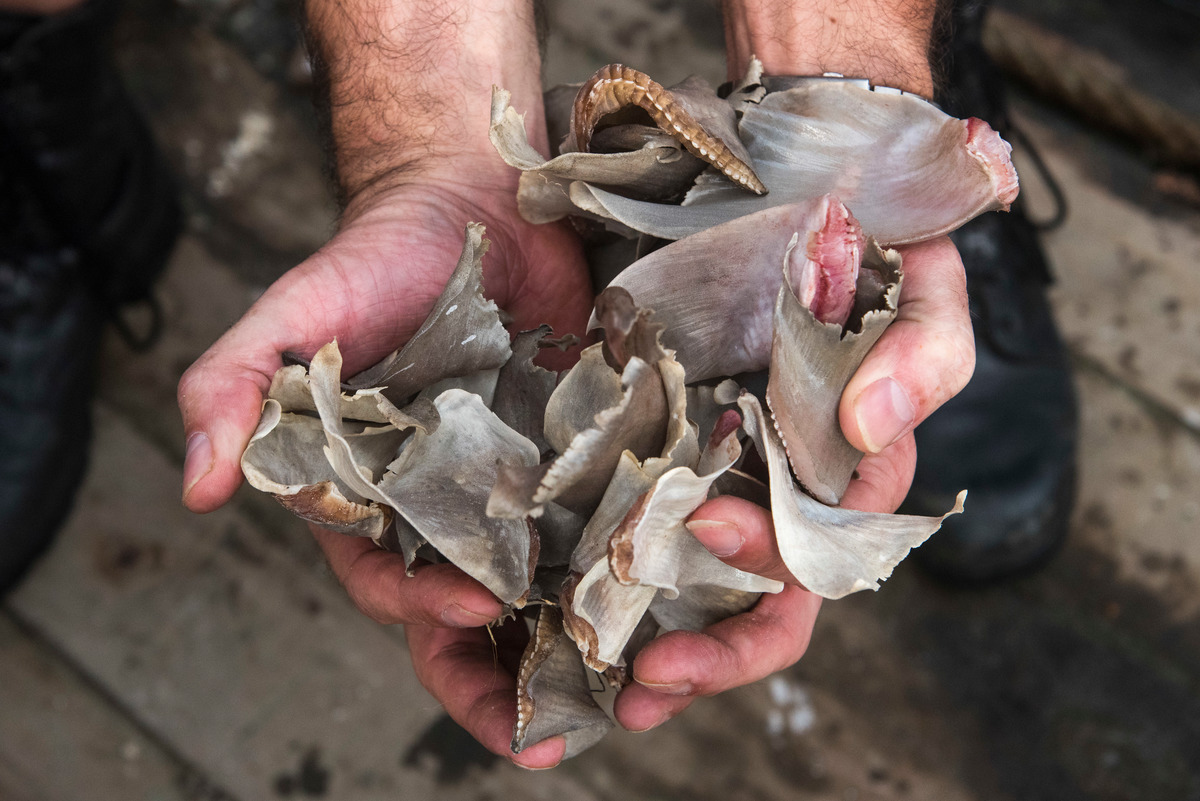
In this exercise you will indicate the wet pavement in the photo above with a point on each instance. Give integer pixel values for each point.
(157, 654)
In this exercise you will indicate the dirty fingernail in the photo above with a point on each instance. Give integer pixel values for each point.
(883, 412)
(198, 460)
(460, 617)
(723, 539)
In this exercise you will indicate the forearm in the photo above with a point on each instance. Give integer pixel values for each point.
(409, 85)
(887, 41)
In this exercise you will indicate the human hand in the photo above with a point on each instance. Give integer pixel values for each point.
(371, 287)
(922, 360)
(408, 109)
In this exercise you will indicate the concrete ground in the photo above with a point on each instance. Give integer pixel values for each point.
(154, 654)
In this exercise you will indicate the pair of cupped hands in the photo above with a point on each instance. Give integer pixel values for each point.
(371, 287)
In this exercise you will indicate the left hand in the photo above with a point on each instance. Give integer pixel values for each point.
(923, 359)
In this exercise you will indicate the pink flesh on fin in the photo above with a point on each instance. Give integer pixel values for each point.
(994, 155)
(727, 423)
(824, 282)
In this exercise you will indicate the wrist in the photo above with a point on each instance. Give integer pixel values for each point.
(409, 203)
(409, 88)
(885, 42)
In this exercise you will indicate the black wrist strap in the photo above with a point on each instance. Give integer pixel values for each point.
(779, 83)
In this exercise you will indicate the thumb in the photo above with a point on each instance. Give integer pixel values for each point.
(924, 357)
(220, 398)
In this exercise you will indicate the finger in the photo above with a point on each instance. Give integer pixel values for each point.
(639, 708)
(882, 479)
(378, 583)
(742, 534)
(736, 651)
(220, 398)
(924, 357)
(460, 669)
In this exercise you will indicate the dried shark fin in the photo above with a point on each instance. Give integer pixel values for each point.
(553, 694)
(290, 387)
(523, 389)
(618, 675)
(636, 544)
(651, 546)
(749, 89)
(631, 332)
(359, 462)
(578, 475)
(831, 551)
(690, 111)
(400, 537)
(559, 531)
(700, 606)
(909, 171)
(462, 335)
(628, 330)
(558, 101)
(284, 458)
(340, 494)
(629, 482)
(599, 613)
(708, 403)
(648, 417)
(697, 285)
(682, 446)
(656, 167)
(813, 361)
(659, 169)
(584, 391)
(822, 273)
(482, 383)
(440, 484)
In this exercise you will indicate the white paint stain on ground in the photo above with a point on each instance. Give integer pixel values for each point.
(452, 308)
(254, 134)
(792, 711)
(468, 339)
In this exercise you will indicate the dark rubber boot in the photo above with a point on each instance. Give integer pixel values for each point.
(1010, 436)
(91, 216)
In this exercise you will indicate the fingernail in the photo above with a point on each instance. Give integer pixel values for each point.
(883, 412)
(723, 539)
(555, 747)
(662, 718)
(670, 688)
(459, 616)
(197, 462)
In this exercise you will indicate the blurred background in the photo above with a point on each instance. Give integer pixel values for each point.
(154, 654)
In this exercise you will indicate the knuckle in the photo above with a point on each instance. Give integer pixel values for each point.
(951, 357)
(189, 382)
(361, 600)
(960, 361)
(733, 664)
